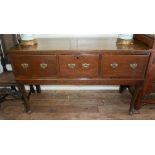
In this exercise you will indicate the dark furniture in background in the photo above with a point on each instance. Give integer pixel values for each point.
(87, 61)
(147, 92)
(7, 77)
(7, 80)
(148, 96)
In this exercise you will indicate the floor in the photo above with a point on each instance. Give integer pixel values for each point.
(75, 105)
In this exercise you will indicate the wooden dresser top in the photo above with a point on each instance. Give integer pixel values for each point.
(78, 44)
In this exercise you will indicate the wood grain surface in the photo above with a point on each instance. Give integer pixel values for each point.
(76, 105)
(58, 45)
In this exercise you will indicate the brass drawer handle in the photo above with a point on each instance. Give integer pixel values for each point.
(24, 65)
(85, 65)
(71, 66)
(43, 66)
(133, 66)
(114, 65)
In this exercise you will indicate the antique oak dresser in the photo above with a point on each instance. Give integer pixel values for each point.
(86, 61)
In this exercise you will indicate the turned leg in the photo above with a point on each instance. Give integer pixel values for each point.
(32, 89)
(122, 88)
(24, 95)
(2, 99)
(14, 88)
(38, 89)
(138, 102)
(135, 96)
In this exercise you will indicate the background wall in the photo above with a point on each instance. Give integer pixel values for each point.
(73, 35)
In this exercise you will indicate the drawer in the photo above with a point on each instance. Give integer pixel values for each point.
(84, 65)
(34, 65)
(129, 66)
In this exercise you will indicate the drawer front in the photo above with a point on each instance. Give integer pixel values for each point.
(34, 65)
(128, 66)
(84, 65)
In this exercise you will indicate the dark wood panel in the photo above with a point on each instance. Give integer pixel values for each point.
(147, 40)
(80, 81)
(35, 66)
(153, 90)
(83, 65)
(131, 66)
(152, 72)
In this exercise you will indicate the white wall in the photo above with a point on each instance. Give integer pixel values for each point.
(73, 35)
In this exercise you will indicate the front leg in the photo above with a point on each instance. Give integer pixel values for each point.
(25, 98)
(135, 96)
(122, 88)
(38, 88)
